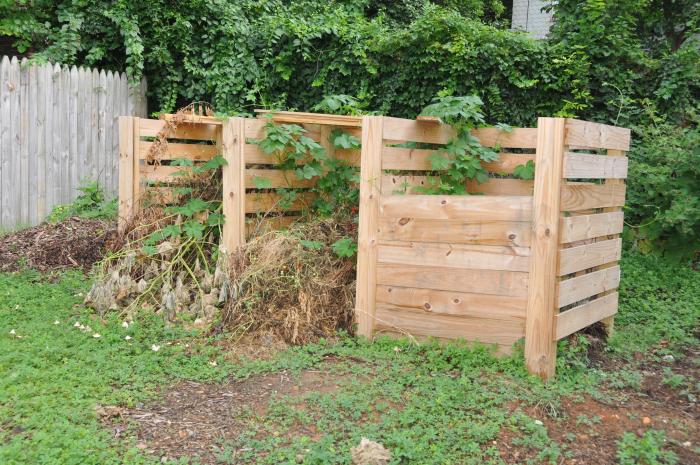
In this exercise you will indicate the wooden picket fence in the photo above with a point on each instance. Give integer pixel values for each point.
(526, 259)
(58, 128)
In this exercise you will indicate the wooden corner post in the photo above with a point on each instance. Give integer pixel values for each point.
(540, 339)
(233, 183)
(370, 191)
(127, 175)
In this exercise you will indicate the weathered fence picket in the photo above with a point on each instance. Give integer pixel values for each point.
(58, 128)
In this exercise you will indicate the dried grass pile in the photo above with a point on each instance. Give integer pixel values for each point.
(292, 284)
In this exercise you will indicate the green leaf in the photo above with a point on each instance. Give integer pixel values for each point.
(345, 247)
(313, 245)
(193, 229)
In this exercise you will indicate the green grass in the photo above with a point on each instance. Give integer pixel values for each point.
(427, 404)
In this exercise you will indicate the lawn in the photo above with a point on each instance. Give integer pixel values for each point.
(146, 393)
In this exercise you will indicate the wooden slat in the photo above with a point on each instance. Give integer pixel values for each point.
(403, 185)
(497, 186)
(581, 287)
(233, 183)
(417, 131)
(507, 162)
(399, 158)
(455, 231)
(583, 227)
(368, 230)
(584, 315)
(540, 350)
(587, 196)
(525, 138)
(269, 202)
(595, 135)
(504, 332)
(586, 256)
(481, 257)
(255, 156)
(277, 178)
(151, 127)
(126, 169)
(588, 166)
(313, 118)
(510, 283)
(497, 307)
(162, 173)
(477, 208)
(175, 150)
(254, 128)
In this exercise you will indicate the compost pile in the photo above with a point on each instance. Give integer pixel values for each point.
(292, 284)
(72, 243)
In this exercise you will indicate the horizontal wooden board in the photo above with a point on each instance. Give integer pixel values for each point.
(525, 138)
(507, 162)
(585, 256)
(270, 202)
(582, 227)
(453, 303)
(584, 315)
(509, 283)
(455, 231)
(416, 323)
(581, 287)
(585, 196)
(595, 135)
(255, 156)
(501, 186)
(151, 128)
(399, 129)
(588, 166)
(476, 208)
(298, 117)
(255, 129)
(480, 257)
(277, 178)
(175, 150)
(403, 185)
(405, 159)
(258, 226)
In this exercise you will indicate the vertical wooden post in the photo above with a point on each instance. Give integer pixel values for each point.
(126, 170)
(137, 165)
(540, 340)
(233, 180)
(370, 191)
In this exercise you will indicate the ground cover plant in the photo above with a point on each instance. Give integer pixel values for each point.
(97, 394)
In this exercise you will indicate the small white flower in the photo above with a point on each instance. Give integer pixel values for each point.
(77, 324)
(87, 329)
(125, 324)
(213, 363)
(127, 338)
(538, 422)
(81, 327)
(56, 322)
(13, 332)
(96, 335)
(155, 348)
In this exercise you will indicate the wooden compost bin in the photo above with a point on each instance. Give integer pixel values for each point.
(533, 259)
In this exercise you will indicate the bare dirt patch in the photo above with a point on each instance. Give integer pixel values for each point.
(589, 428)
(193, 419)
(72, 243)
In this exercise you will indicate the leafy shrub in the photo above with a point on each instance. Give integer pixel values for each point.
(91, 203)
(647, 450)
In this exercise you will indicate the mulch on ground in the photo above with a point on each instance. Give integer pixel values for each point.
(73, 243)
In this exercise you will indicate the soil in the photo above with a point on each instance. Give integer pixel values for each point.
(73, 243)
(193, 419)
(655, 406)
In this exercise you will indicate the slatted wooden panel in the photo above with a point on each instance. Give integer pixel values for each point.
(58, 128)
(447, 266)
(591, 223)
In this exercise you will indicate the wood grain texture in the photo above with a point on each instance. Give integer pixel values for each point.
(497, 307)
(496, 186)
(583, 227)
(586, 314)
(588, 166)
(455, 231)
(584, 196)
(126, 169)
(582, 287)
(370, 194)
(256, 202)
(479, 257)
(540, 348)
(586, 256)
(276, 178)
(188, 131)
(198, 152)
(586, 134)
(234, 183)
(453, 207)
